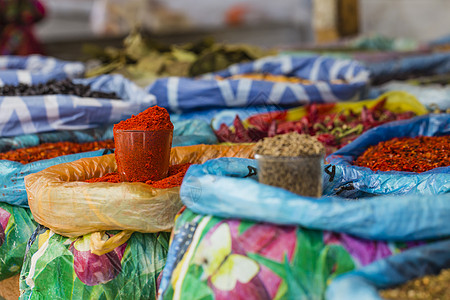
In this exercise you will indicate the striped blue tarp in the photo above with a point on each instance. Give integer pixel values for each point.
(35, 69)
(408, 67)
(184, 94)
(34, 114)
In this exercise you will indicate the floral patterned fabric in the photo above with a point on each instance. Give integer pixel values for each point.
(214, 258)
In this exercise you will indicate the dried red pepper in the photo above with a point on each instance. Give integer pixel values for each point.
(174, 179)
(52, 150)
(419, 154)
(334, 130)
(153, 118)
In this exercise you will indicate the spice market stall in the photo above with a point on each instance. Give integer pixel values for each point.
(336, 198)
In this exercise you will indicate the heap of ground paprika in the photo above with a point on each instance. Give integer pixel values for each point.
(174, 179)
(153, 118)
(52, 150)
(143, 145)
(418, 154)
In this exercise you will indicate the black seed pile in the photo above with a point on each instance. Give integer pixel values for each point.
(53, 87)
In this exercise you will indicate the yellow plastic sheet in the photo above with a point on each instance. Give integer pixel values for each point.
(396, 101)
(60, 199)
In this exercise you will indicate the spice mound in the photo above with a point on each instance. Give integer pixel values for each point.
(419, 154)
(143, 145)
(426, 288)
(291, 161)
(53, 87)
(154, 118)
(174, 178)
(290, 145)
(52, 150)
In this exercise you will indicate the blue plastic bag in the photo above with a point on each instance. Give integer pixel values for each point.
(363, 284)
(343, 178)
(34, 114)
(226, 187)
(36, 69)
(185, 94)
(12, 187)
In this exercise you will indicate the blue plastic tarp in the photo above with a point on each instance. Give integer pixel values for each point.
(12, 185)
(186, 94)
(227, 188)
(36, 69)
(419, 65)
(354, 181)
(35, 114)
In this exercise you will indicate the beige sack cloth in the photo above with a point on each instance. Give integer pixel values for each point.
(60, 199)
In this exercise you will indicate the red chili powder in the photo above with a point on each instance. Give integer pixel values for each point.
(109, 177)
(419, 154)
(52, 150)
(174, 179)
(143, 156)
(153, 118)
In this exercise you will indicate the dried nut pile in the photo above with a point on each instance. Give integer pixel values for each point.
(427, 288)
(290, 145)
(293, 162)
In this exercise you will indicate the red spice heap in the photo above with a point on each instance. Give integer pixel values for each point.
(174, 179)
(153, 118)
(418, 154)
(52, 150)
(109, 177)
(144, 156)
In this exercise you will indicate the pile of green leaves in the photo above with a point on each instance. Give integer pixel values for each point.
(143, 60)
